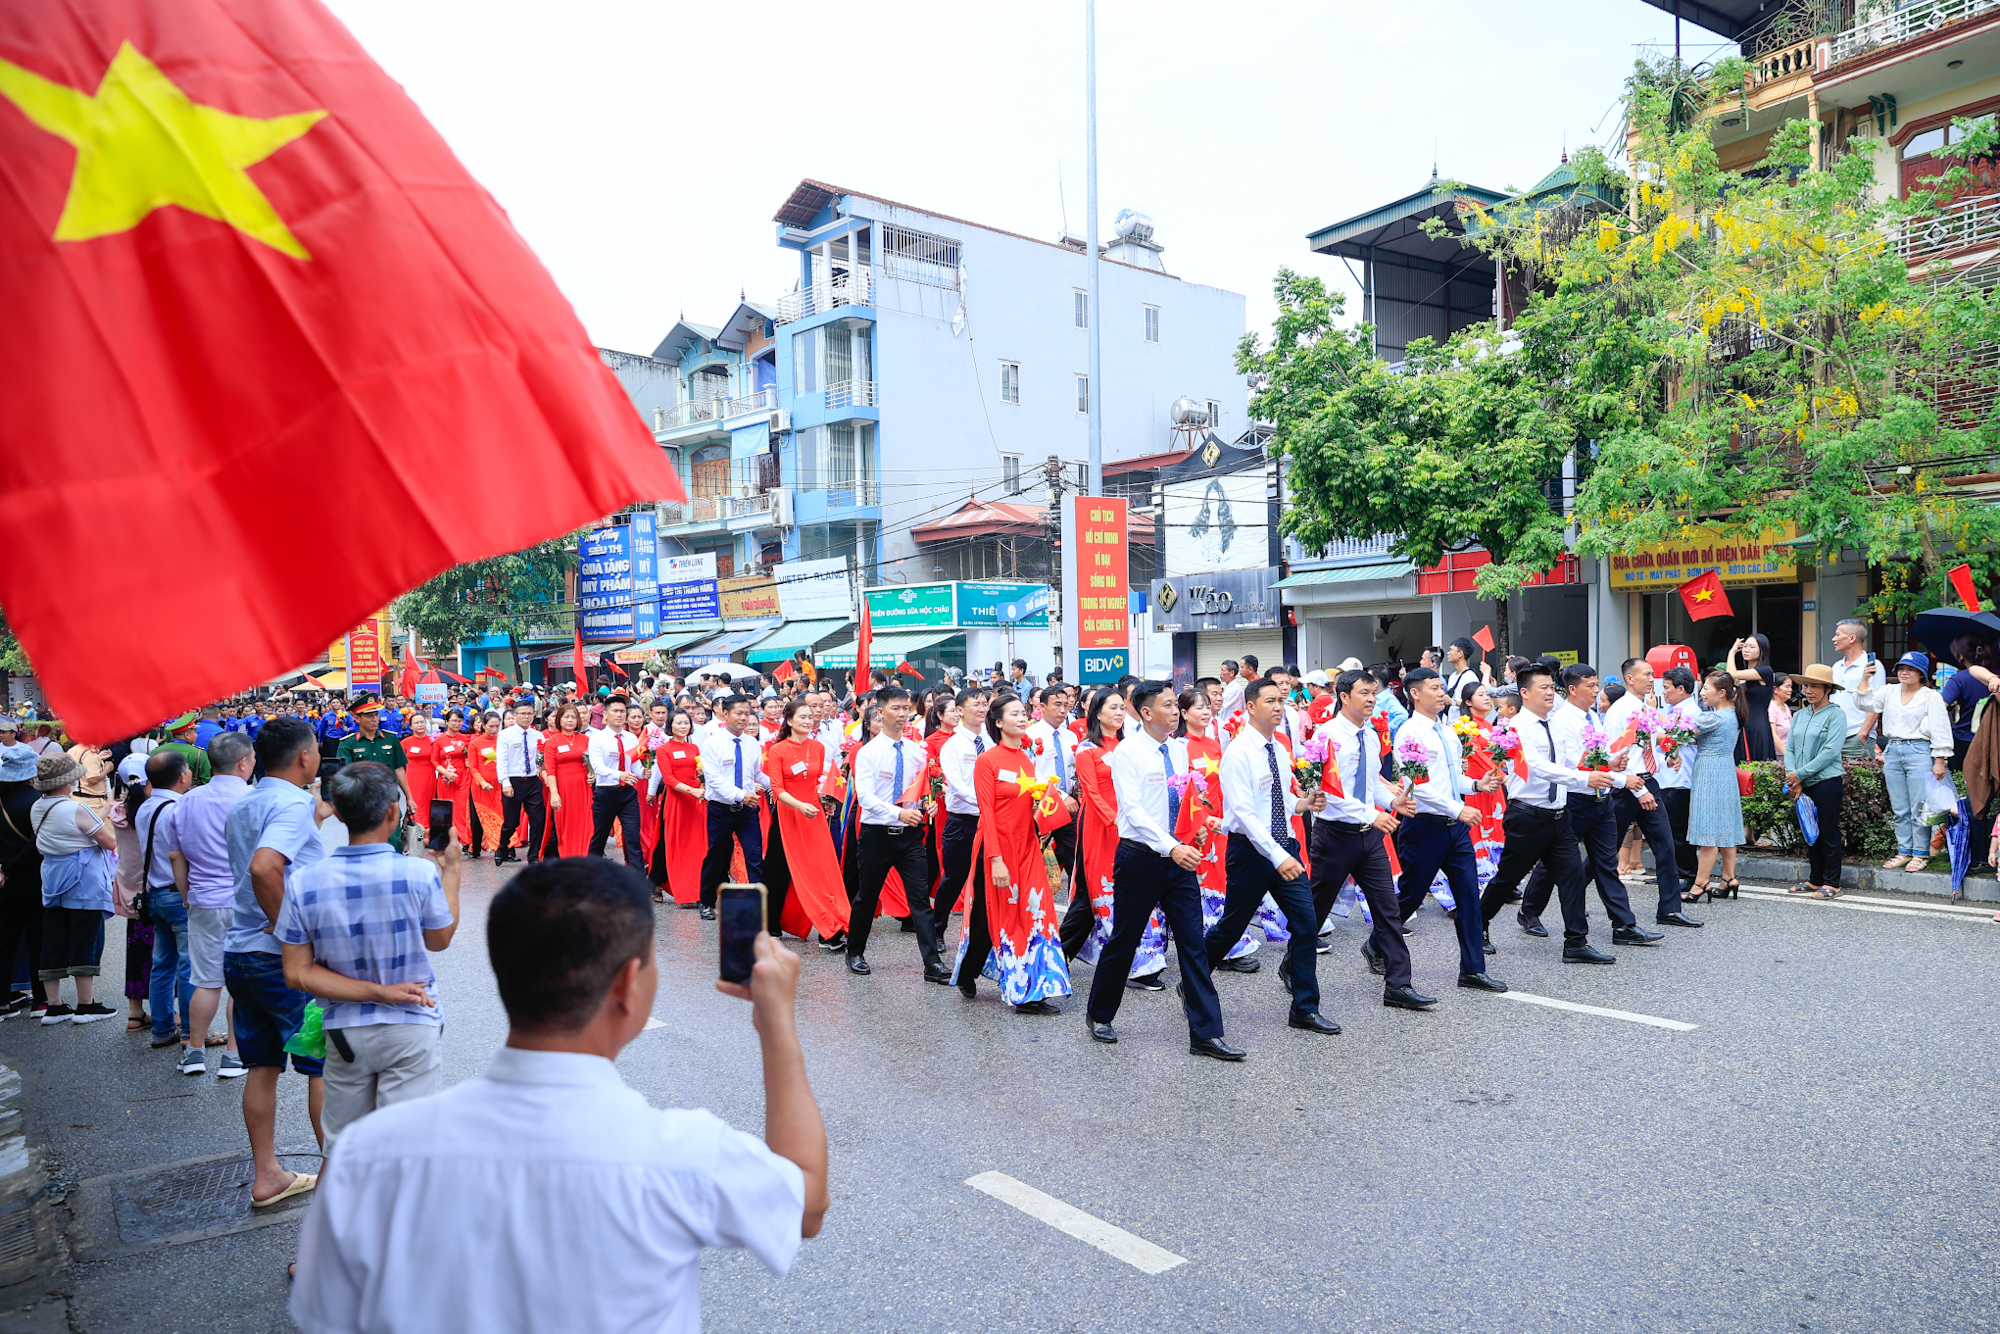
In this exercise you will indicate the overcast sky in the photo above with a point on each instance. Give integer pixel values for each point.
(643, 147)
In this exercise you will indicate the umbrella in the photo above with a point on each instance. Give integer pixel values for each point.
(734, 671)
(1958, 841)
(1936, 628)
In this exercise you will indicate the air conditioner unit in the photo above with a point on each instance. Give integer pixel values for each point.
(781, 420)
(781, 507)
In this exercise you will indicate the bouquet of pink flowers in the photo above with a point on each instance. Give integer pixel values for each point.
(1413, 761)
(1596, 753)
(1675, 734)
(1310, 763)
(1503, 743)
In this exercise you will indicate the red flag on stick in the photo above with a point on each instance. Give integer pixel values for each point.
(1703, 597)
(861, 647)
(1961, 579)
(1483, 637)
(234, 245)
(576, 652)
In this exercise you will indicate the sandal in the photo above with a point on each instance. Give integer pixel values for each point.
(301, 1183)
(133, 1023)
(1803, 888)
(1732, 888)
(1827, 892)
(1706, 890)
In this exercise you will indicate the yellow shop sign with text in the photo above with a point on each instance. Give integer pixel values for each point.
(1740, 555)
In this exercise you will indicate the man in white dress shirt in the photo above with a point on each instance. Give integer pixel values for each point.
(1438, 836)
(1644, 804)
(1263, 855)
(1155, 870)
(1058, 761)
(961, 820)
(1537, 822)
(545, 1194)
(1350, 832)
(1233, 683)
(732, 778)
(519, 764)
(1676, 776)
(613, 754)
(891, 838)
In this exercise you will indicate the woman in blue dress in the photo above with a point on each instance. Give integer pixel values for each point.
(1715, 803)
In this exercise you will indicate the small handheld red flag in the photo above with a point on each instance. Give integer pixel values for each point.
(861, 647)
(1483, 637)
(1703, 597)
(1961, 579)
(783, 672)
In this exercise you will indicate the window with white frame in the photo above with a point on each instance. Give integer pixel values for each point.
(1152, 324)
(1082, 308)
(1083, 393)
(1214, 414)
(1010, 382)
(1083, 477)
(1010, 472)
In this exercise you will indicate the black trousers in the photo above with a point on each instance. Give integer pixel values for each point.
(1823, 855)
(1251, 877)
(727, 824)
(959, 833)
(1341, 850)
(1433, 843)
(527, 797)
(1079, 916)
(1594, 826)
(777, 877)
(1537, 836)
(1142, 881)
(1676, 799)
(978, 931)
(1064, 843)
(21, 925)
(620, 804)
(886, 848)
(1656, 827)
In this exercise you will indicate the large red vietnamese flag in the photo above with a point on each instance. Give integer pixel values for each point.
(256, 316)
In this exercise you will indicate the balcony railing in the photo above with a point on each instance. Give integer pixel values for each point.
(721, 509)
(1781, 63)
(853, 290)
(1354, 548)
(691, 413)
(1906, 24)
(845, 495)
(851, 394)
(1972, 221)
(764, 400)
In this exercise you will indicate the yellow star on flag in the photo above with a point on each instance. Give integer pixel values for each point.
(141, 144)
(1704, 595)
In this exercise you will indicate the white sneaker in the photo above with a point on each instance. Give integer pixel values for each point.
(232, 1067)
(192, 1062)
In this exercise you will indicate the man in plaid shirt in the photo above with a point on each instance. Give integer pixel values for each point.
(350, 927)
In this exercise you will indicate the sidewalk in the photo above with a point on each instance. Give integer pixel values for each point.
(149, 1171)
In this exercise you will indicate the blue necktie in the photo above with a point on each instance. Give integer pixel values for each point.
(1281, 827)
(978, 744)
(896, 796)
(1055, 739)
(739, 763)
(1173, 798)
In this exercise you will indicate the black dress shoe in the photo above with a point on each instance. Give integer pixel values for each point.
(1150, 982)
(1325, 945)
(1376, 963)
(1101, 1032)
(1636, 935)
(677, 905)
(1480, 982)
(968, 988)
(835, 943)
(707, 913)
(1214, 1047)
(1676, 919)
(941, 976)
(1312, 1023)
(1036, 1007)
(1532, 925)
(908, 927)
(857, 964)
(1285, 973)
(1487, 939)
(1407, 998)
(1246, 964)
(1586, 954)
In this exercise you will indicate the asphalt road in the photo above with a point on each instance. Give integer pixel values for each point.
(1818, 1152)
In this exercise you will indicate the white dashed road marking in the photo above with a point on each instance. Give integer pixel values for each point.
(1116, 1242)
(1627, 1015)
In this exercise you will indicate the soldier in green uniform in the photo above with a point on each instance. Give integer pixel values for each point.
(182, 730)
(370, 742)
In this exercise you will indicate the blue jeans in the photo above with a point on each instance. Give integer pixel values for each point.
(1906, 768)
(170, 963)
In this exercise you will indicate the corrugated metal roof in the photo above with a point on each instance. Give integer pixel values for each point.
(1347, 574)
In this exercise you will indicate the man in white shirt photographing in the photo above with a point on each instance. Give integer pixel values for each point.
(545, 1194)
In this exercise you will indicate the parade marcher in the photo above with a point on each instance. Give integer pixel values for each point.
(482, 794)
(77, 848)
(1715, 808)
(566, 777)
(1676, 777)
(733, 782)
(1645, 805)
(518, 765)
(888, 783)
(614, 756)
(1086, 925)
(371, 741)
(420, 753)
(1437, 836)
(1256, 783)
(1351, 831)
(454, 775)
(961, 809)
(1156, 870)
(1538, 825)
(1010, 924)
(683, 816)
(653, 734)
(1055, 759)
(800, 867)
(1202, 816)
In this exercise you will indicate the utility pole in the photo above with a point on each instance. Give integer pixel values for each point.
(1052, 473)
(1096, 312)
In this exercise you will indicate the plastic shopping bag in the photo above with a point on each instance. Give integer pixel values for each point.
(310, 1040)
(1940, 801)
(1808, 819)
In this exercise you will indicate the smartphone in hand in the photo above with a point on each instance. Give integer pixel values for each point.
(740, 915)
(440, 831)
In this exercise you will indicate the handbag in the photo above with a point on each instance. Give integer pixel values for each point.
(1808, 819)
(1746, 780)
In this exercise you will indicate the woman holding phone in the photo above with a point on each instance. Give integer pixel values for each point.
(566, 773)
(800, 870)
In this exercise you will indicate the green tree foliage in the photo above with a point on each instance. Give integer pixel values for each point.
(499, 595)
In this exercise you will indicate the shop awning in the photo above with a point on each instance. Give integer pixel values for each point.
(792, 636)
(886, 650)
(1348, 574)
(722, 646)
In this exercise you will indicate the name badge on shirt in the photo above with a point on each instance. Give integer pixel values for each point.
(798, 766)
(1009, 776)
(562, 750)
(680, 754)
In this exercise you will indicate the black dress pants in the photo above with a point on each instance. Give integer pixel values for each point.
(885, 848)
(1824, 854)
(1142, 881)
(1341, 850)
(777, 877)
(731, 824)
(1535, 835)
(1433, 843)
(1594, 828)
(1251, 877)
(1676, 800)
(1080, 916)
(618, 803)
(1656, 827)
(959, 833)
(527, 797)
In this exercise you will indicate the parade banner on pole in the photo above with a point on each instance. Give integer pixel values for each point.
(1097, 628)
(237, 251)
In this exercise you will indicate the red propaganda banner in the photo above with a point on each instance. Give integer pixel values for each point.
(234, 255)
(364, 661)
